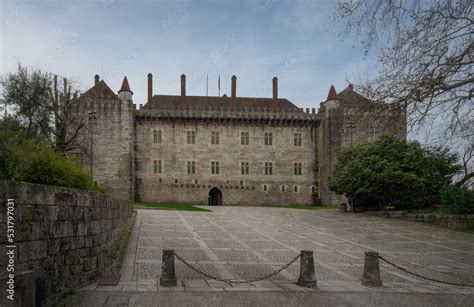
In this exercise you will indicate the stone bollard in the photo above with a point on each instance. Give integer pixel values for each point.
(343, 207)
(371, 276)
(168, 274)
(307, 277)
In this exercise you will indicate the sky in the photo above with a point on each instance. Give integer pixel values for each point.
(297, 41)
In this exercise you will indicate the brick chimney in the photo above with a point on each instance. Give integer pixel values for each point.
(96, 79)
(150, 87)
(275, 88)
(183, 85)
(233, 92)
(275, 93)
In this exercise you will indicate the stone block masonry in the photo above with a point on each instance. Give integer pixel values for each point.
(66, 235)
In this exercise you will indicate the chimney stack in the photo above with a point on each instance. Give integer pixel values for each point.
(275, 88)
(183, 85)
(275, 93)
(150, 87)
(96, 79)
(233, 87)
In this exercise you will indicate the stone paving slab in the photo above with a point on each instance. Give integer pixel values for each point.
(249, 242)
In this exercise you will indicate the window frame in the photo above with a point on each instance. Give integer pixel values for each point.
(215, 138)
(244, 168)
(157, 167)
(191, 166)
(297, 139)
(268, 168)
(297, 168)
(268, 139)
(191, 137)
(244, 138)
(215, 167)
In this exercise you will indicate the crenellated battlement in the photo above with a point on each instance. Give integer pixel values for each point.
(223, 113)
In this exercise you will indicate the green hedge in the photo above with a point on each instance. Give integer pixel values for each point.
(36, 162)
(457, 200)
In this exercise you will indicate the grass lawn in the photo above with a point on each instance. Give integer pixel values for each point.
(187, 207)
(165, 206)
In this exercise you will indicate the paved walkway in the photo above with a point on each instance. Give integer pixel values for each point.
(248, 242)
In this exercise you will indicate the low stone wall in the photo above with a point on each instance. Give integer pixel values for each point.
(66, 236)
(452, 221)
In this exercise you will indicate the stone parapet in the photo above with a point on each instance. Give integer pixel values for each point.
(452, 221)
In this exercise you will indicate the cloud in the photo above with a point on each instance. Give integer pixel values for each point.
(168, 38)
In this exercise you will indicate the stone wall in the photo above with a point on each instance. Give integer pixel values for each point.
(112, 143)
(65, 235)
(175, 184)
(452, 221)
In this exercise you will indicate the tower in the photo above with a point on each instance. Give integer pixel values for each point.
(107, 141)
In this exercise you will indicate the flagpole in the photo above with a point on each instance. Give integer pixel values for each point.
(207, 84)
(219, 86)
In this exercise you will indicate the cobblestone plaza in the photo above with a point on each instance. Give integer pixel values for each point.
(246, 243)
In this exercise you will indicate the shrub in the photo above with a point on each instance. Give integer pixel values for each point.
(457, 200)
(36, 162)
(393, 172)
(46, 166)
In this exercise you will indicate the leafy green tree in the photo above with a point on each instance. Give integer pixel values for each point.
(43, 106)
(27, 94)
(393, 172)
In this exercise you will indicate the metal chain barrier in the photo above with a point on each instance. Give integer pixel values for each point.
(234, 281)
(424, 277)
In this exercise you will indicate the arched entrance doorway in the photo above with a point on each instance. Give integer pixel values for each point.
(215, 197)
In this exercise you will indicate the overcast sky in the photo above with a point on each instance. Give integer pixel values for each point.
(255, 40)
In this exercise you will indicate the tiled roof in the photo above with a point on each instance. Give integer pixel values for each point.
(125, 85)
(101, 90)
(332, 93)
(209, 102)
(348, 95)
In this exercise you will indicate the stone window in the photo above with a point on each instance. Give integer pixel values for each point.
(191, 167)
(297, 139)
(264, 187)
(176, 181)
(157, 166)
(157, 136)
(268, 138)
(313, 189)
(191, 137)
(241, 182)
(268, 168)
(244, 168)
(297, 168)
(244, 138)
(215, 137)
(215, 167)
(283, 188)
(296, 188)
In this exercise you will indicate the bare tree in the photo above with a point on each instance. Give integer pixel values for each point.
(426, 52)
(67, 126)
